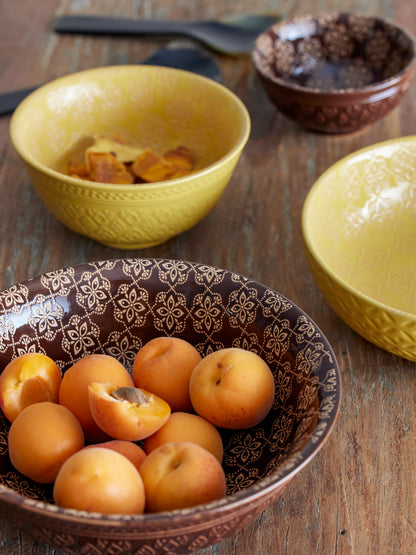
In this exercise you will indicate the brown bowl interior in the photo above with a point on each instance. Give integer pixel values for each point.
(115, 307)
(333, 52)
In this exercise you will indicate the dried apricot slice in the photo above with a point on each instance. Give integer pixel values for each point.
(181, 157)
(106, 168)
(151, 166)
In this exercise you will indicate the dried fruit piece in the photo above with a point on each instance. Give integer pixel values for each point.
(105, 168)
(180, 173)
(151, 166)
(181, 157)
(112, 159)
(81, 171)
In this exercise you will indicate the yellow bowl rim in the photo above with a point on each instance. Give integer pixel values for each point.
(310, 244)
(108, 187)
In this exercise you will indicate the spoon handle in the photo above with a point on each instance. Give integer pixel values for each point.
(9, 100)
(119, 26)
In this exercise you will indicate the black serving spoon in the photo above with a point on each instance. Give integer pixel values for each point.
(177, 54)
(233, 34)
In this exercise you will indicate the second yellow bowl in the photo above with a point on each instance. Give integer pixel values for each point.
(360, 236)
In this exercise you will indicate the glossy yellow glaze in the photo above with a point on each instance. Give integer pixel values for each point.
(156, 107)
(359, 227)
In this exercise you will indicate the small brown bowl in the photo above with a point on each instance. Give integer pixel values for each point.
(114, 307)
(335, 72)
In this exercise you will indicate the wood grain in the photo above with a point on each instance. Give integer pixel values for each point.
(358, 496)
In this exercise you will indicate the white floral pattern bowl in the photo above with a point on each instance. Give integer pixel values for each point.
(360, 236)
(335, 72)
(158, 108)
(114, 307)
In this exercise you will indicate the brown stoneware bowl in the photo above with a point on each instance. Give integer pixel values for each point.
(114, 307)
(335, 72)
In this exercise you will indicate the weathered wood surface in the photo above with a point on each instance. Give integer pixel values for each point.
(359, 494)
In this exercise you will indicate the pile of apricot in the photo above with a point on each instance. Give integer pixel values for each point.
(81, 431)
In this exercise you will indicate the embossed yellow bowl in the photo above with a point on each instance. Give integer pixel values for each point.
(359, 227)
(159, 108)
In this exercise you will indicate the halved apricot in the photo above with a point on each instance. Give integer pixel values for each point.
(126, 413)
(27, 379)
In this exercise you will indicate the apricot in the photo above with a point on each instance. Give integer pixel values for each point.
(164, 366)
(27, 379)
(232, 388)
(183, 426)
(179, 475)
(129, 449)
(41, 438)
(99, 480)
(126, 413)
(73, 392)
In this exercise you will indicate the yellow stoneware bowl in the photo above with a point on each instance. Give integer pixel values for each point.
(158, 108)
(359, 228)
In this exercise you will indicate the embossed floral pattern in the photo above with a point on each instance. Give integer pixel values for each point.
(80, 337)
(58, 281)
(14, 298)
(114, 307)
(131, 304)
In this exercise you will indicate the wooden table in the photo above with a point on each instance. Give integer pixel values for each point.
(359, 494)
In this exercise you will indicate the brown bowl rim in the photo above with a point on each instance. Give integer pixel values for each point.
(374, 88)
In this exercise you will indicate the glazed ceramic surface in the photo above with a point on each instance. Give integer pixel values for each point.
(115, 307)
(360, 234)
(335, 72)
(159, 108)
